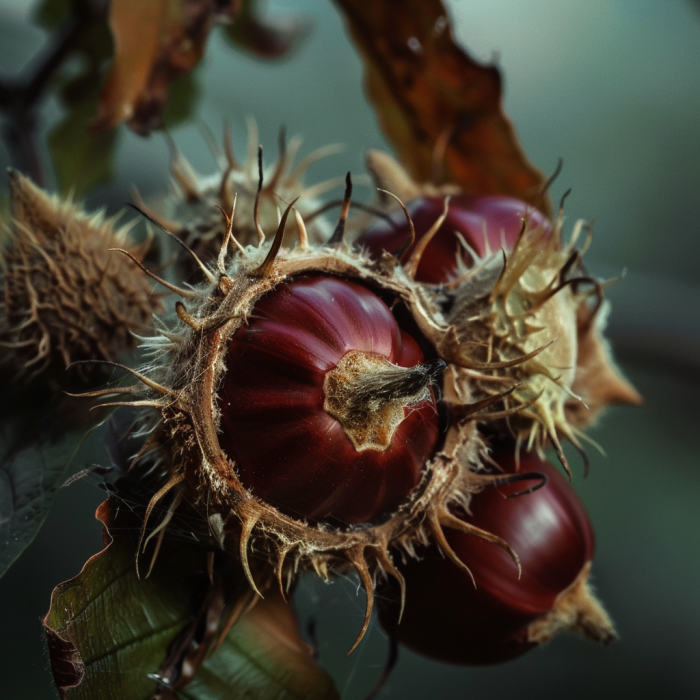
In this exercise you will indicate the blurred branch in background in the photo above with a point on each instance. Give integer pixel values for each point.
(154, 47)
(20, 98)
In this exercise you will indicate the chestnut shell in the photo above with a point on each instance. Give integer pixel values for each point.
(286, 448)
(500, 217)
(448, 619)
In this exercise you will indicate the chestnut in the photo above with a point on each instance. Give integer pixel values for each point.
(493, 221)
(498, 616)
(326, 409)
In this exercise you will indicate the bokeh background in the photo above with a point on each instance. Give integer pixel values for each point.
(612, 87)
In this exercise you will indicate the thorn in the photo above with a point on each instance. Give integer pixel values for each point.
(449, 520)
(442, 542)
(185, 317)
(256, 206)
(357, 559)
(184, 293)
(552, 178)
(472, 364)
(148, 382)
(228, 147)
(398, 254)
(173, 481)
(179, 241)
(266, 266)
(339, 232)
(246, 529)
(282, 159)
(411, 266)
(301, 231)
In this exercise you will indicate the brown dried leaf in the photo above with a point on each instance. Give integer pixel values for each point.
(155, 42)
(440, 109)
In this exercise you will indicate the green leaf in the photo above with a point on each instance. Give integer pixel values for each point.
(262, 657)
(184, 94)
(110, 632)
(37, 448)
(50, 13)
(82, 160)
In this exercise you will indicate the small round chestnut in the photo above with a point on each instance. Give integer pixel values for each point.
(481, 220)
(499, 616)
(326, 408)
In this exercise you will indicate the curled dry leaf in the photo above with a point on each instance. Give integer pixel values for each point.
(155, 42)
(440, 110)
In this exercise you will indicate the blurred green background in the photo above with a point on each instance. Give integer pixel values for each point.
(611, 86)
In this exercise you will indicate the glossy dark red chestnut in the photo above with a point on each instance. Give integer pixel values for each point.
(496, 219)
(318, 413)
(448, 619)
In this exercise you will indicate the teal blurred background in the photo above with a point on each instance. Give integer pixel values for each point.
(612, 87)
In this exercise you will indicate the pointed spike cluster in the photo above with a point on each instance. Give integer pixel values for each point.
(449, 520)
(441, 540)
(207, 273)
(388, 566)
(160, 530)
(174, 480)
(460, 412)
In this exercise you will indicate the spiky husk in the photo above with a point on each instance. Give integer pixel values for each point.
(492, 328)
(183, 386)
(193, 209)
(531, 318)
(66, 297)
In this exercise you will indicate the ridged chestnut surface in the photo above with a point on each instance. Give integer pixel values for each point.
(287, 449)
(447, 618)
(496, 219)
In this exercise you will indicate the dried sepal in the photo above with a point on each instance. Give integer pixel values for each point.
(67, 298)
(598, 381)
